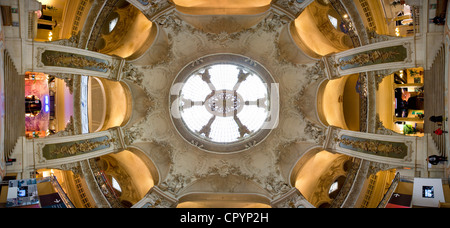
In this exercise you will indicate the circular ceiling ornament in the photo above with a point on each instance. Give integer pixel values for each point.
(224, 103)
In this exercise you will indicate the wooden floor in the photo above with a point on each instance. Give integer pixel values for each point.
(434, 90)
(14, 114)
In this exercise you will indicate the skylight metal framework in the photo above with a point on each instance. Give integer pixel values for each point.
(222, 103)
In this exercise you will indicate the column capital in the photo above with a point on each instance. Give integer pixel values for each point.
(291, 7)
(152, 9)
(157, 198)
(291, 199)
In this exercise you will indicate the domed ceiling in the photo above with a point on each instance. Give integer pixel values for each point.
(183, 45)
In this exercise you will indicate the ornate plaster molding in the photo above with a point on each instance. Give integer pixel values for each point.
(291, 199)
(188, 44)
(293, 8)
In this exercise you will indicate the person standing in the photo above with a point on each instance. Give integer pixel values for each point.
(436, 119)
(435, 159)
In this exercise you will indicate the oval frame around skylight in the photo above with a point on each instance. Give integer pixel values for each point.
(187, 94)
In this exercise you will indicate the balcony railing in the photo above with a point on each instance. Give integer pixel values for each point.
(389, 192)
(61, 192)
(104, 185)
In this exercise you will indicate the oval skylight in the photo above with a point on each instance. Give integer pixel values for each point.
(224, 103)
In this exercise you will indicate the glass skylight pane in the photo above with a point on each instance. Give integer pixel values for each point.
(196, 117)
(224, 76)
(252, 89)
(116, 185)
(333, 21)
(224, 129)
(253, 117)
(195, 89)
(333, 187)
(113, 23)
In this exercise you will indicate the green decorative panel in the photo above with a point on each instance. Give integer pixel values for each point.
(373, 57)
(64, 59)
(373, 147)
(67, 149)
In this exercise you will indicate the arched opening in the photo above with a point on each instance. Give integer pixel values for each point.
(319, 176)
(400, 101)
(60, 19)
(335, 187)
(224, 191)
(129, 174)
(126, 33)
(48, 104)
(222, 7)
(73, 185)
(318, 31)
(375, 188)
(223, 200)
(109, 104)
(97, 106)
(338, 102)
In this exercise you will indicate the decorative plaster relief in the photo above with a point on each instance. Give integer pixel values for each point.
(64, 59)
(372, 57)
(374, 147)
(154, 7)
(293, 7)
(188, 45)
(66, 149)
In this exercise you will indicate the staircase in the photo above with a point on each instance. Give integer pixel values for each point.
(434, 90)
(14, 115)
